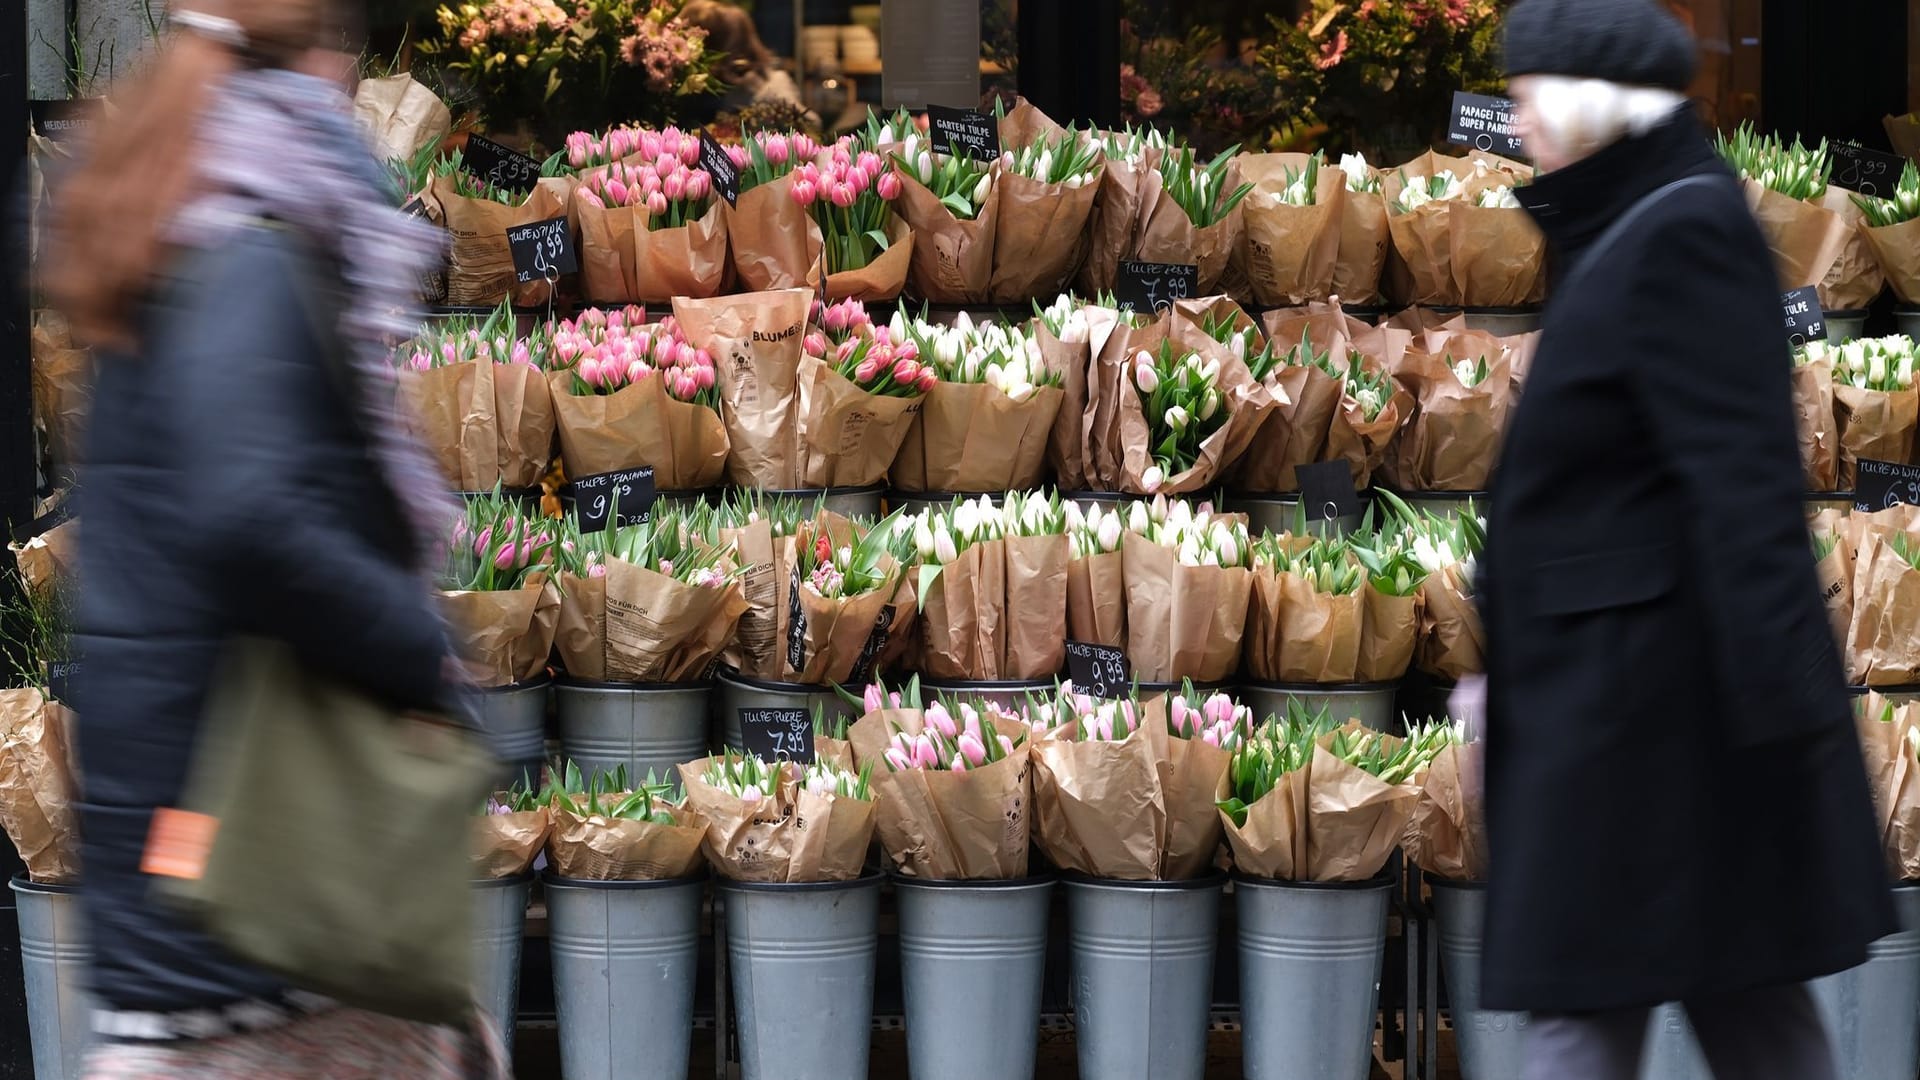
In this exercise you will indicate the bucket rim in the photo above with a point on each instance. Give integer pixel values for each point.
(522, 878)
(1382, 880)
(988, 685)
(572, 682)
(1031, 881)
(726, 676)
(943, 496)
(1443, 496)
(538, 682)
(1178, 685)
(551, 880)
(815, 493)
(1216, 879)
(1457, 884)
(1903, 688)
(1282, 498)
(21, 883)
(869, 880)
(1390, 686)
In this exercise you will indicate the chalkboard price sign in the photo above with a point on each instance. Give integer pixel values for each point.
(964, 132)
(1881, 484)
(773, 734)
(719, 166)
(627, 494)
(1484, 123)
(1867, 171)
(499, 165)
(1099, 670)
(543, 250)
(1805, 321)
(1149, 287)
(1326, 490)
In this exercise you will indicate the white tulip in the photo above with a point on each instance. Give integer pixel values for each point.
(1137, 520)
(966, 521)
(980, 190)
(923, 538)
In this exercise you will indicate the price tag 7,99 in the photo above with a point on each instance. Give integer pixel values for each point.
(775, 734)
(1099, 670)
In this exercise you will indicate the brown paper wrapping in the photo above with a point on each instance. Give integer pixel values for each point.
(36, 787)
(1040, 237)
(1835, 573)
(1296, 433)
(690, 261)
(947, 826)
(1874, 424)
(1882, 647)
(49, 561)
(504, 636)
(1855, 278)
(591, 847)
(1819, 432)
(848, 437)
(580, 630)
(1298, 635)
(1365, 240)
(1453, 438)
(884, 277)
(1183, 622)
(1499, 255)
(1893, 775)
(1447, 834)
(1113, 227)
(1327, 822)
(504, 845)
(608, 272)
(837, 632)
(1806, 238)
(485, 424)
(640, 424)
(660, 630)
(759, 645)
(1389, 627)
(952, 260)
(1423, 247)
(998, 612)
(1290, 251)
(1897, 248)
(62, 385)
(1362, 443)
(971, 437)
(1167, 235)
(1452, 642)
(399, 115)
(1903, 133)
(755, 340)
(1036, 606)
(1141, 809)
(480, 269)
(1066, 445)
(790, 835)
(1097, 599)
(774, 240)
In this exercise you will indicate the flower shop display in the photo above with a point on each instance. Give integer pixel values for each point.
(1785, 188)
(1049, 178)
(1190, 212)
(952, 204)
(1332, 612)
(853, 200)
(1891, 227)
(769, 227)
(992, 587)
(1188, 582)
(1115, 223)
(1293, 221)
(651, 225)
(1463, 239)
(475, 397)
(477, 215)
(628, 393)
(1855, 280)
(1463, 383)
(1336, 401)
(987, 423)
(847, 595)
(1875, 402)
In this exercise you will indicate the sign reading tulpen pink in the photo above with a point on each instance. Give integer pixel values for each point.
(543, 250)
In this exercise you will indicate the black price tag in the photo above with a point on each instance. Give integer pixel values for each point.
(43, 524)
(726, 176)
(543, 250)
(967, 132)
(628, 493)
(1099, 670)
(415, 207)
(796, 624)
(1148, 287)
(1484, 123)
(498, 165)
(1805, 321)
(1326, 490)
(61, 119)
(60, 677)
(876, 644)
(772, 734)
(1867, 171)
(1880, 484)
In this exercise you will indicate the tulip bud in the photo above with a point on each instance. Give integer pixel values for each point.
(1176, 418)
(1109, 533)
(1152, 478)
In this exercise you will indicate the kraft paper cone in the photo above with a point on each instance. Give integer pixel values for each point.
(1835, 573)
(1882, 649)
(1897, 249)
(1452, 641)
(1167, 235)
(1901, 814)
(1191, 776)
(1025, 124)
(1874, 424)
(690, 261)
(759, 645)
(1453, 438)
(1296, 433)
(480, 269)
(1117, 428)
(1363, 443)
(790, 835)
(884, 277)
(1805, 238)
(62, 386)
(774, 240)
(947, 826)
(659, 630)
(952, 260)
(591, 847)
(963, 615)
(1423, 242)
(1097, 599)
(1114, 225)
(836, 632)
(1855, 279)
(485, 424)
(971, 437)
(755, 340)
(848, 437)
(49, 561)
(505, 845)
(609, 273)
(1814, 422)
(639, 424)
(1066, 447)
(1290, 251)
(399, 116)
(1297, 635)
(1499, 255)
(1447, 833)
(1328, 822)
(36, 787)
(1365, 240)
(1040, 236)
(1141, 809)
(1183, 622)
(504, 636)
(1036, 606)
(580, 631)
(1389, 627)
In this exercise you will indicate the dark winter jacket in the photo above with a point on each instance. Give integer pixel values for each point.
(228, 490)
(1676, 803)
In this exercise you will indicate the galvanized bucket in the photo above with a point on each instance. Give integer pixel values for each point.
(1280, 513)
(1873, 1011)
(1370, 703)
(515, 720)
(1503, 321)
(1845, 326)
(648, 727)
(625, 956)
(972, 958)
(499, 925)
(862, 502)
(914, 502)
(1141, 955)
(1309, 969)
(1008, 695)
(1907, 321)
(801, 957)
(1672, 1052)
(735, 692)
(1492, 1045)
(53, 958)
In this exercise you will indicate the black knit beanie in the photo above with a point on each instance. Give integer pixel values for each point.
(1635, 42)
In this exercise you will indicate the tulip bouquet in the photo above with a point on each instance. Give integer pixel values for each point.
(499, 604)
(613, 830)
(1332, 609)
(480, 270)
(1793, 171)
(1880, 647)
(628, 393)
(1891, 227)
(846, 598)
(1419, 191)
(1190, 212)
(1447, 834)
(1875, 404)
(1187, 585)
(1114, 229)
(37, 791)
(769, 227)
(650, 226)
(1096, 575)
(1047, 187)
(509, 832)
(1062, 331)
(877, 362)
(673, 197)
(1303, 365)
(1463, 386)
(1896, 209)
(1451, 641)
(1364, 233)
(782, 822)
(852, 194)
(473, 394)
(586, 151)
(756, 340)
(1463, 238)
(1890, 744)
(987, 423)
(1786, 187)
(1293, 218)
(1181, 400)
(992, 588)
(452, 169)
(951, 202)
(761, 531)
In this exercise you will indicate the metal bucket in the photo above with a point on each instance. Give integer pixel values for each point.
(53, 958)
(972, 957)
(1907, 321)
(1279, 513)
(499, 925)
(1370, 703)
(1503, 321)
(913, 502)
(802, 957)
(1010, 695)
(861, 502)
(1443, 503)
(515, 720)
(1872, 1011)
(1492, 1045)
(1672, 1052)
(1845, 326)
(735, 692)
(648, 727)
(1309, 966)
(625, 956)
(1141, 955)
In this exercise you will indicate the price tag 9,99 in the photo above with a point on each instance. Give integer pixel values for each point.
(1099, 670)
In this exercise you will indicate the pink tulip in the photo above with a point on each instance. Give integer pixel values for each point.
(776, 149)
(906, 371)
(657, 204)
(844, 195)
(897, 760)
(587, 195)
(650, 182)
(484, 541)
(940, 720)
(894, 699)
(845, 350)
(906, 350)
(971, 749)
(835, 319)
(597, 570)
(705, 376)
(857, 178)
(637, 371)
(750, 793)
(870, 163)
(874, 700)
(739, 156)
(803, 192)
(590, 371)
(675, 186)
(888, 185)
(503, 558)
(521, 354)
(422, 362)
(1211, 736)
(924, 754)
(959, 765)
(928, 379)
(1006, 744)
(1178, 715)
(868, 370)
(816, 343)
(1218, 709)
(698, 184)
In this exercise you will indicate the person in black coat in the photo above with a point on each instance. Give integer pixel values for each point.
(1677, 808)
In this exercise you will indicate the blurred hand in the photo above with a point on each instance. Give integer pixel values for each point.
(1468, 705)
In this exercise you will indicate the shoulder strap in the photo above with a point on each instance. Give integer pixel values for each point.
(1634, 213)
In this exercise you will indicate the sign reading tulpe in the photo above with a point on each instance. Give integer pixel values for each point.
(1867, 171)
(771, 734)
(1099, 670)
(1326, 490)
(498, 165)
(543, 250)
(726, 175)
(1484, 123)
(627, 494)
(1149, 287)
(1805, 320)
(1880, 484)
(966, 132)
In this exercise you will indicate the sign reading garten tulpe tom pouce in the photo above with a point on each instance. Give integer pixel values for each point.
(1099, 670)
(965, 132)
(1147, 287)
(1805, 321)
(543, 250)
(771, 734)
(1484, 123)
(601, 498)
(498, 165)
(1880, 484)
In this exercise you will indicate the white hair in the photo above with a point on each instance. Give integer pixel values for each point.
(1580, 116)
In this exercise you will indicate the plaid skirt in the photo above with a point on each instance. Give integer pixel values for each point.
(339, 1044)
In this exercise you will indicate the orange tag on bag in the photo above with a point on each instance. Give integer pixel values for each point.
(178, 844)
